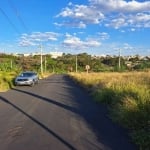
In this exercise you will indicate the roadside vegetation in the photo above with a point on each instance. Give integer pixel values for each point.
(6, 80)
(125, 89)
(67, 63)
(127, 96)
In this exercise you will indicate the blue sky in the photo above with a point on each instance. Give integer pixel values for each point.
(93, 26)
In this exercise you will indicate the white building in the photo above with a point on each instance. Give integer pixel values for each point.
(56, 54)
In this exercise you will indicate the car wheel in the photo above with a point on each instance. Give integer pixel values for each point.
(15, 84)
(33, 83)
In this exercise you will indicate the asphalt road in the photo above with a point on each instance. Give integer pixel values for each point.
(57, 114)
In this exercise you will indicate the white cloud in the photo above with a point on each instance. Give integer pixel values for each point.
(127, 46)
(133, 14)
(82, 14)
(80, 24)
(121, 5)
(26, 42)
(103, 35)
(76, 43)
(139, 20)
(36, 37)
(117, 23)
(92, 43)
(142, 17)
(132, 29)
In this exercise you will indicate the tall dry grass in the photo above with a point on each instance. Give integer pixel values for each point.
(128, 95)
(6, 80)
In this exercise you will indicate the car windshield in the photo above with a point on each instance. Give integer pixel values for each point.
(27, 74)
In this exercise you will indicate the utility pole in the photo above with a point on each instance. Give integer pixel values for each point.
(11, 64)
(45, 63)
(119, 58)
(76, 64)
(41, 59)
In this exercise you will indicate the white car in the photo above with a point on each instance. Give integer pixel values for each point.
(27, 78)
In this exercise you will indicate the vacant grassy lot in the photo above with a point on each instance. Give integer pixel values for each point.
(128, 97)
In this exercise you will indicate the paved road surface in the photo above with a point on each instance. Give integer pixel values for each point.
(56, 114)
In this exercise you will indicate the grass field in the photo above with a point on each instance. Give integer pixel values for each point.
(128, 98)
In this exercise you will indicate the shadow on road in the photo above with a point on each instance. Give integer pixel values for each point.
(39, 123)
(107, 133)
(69, 108)
(96, 115)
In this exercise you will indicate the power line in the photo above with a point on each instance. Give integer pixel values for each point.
(17, 14)
(8, 19)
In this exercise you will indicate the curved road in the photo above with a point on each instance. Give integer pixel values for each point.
(56, 114)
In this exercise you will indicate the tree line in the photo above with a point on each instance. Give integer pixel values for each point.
(72, 63)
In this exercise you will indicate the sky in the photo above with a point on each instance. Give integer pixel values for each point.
(97, 27)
